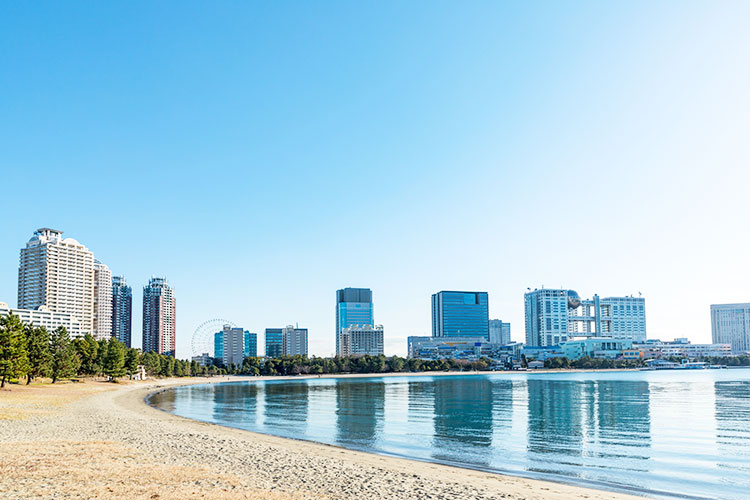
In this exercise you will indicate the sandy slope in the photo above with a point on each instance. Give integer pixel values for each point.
(105, 442)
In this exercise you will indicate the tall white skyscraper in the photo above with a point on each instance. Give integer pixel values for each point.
(102, 301)
(730, 324)
(59, 274)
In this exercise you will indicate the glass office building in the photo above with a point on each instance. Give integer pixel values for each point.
(353, 307)
(460, 314)
(274, 342)
(251, 344)
(219, 345)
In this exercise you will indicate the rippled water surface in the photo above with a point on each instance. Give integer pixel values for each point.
(671, 433)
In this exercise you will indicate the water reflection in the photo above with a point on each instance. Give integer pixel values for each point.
(463, 419)
(359, 412)
(680, 433)
(733, 426)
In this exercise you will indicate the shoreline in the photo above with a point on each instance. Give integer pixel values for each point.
(187, 458)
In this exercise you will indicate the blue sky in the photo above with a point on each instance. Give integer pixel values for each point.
(261, 155)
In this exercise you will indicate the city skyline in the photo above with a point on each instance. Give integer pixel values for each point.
(599, 147)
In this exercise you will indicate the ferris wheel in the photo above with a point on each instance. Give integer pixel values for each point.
(203, 336)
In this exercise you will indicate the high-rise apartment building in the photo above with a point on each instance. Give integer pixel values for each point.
(353, 307)
(122, 310)
(159, 317)
(362, 339)
(294, 341)
(730, 324)
(102, 301)
(499, 332)
(274, 342)
(58, 273)
(251, 344)
(553, 315)
(460, 314)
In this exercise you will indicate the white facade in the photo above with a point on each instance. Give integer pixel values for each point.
(46, 318)
(102, 301)
(361, 339)
(555, 315)
(294, 341)
(683, 348)
(59, 274)
(234, 345)
(730, 324)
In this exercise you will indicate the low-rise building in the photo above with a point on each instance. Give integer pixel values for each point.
(43, 316)
(203, 360)
(682, 348)
(469, 348)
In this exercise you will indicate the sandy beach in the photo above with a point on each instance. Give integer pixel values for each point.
(99, 440)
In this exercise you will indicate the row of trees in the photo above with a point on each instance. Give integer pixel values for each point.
(302, 365)
(588, 363)
(32, 352)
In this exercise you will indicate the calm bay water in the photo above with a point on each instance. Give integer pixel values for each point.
(673, 433)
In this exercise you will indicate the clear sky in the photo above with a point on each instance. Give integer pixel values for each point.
(261, 155)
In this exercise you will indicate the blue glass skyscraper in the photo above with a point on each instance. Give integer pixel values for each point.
(274, 342)
(353, 307)
(219, 345)
(460, 314)
(251, 344)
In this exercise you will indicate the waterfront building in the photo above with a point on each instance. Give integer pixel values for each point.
(730, 324)
(251, 344)
(43, 316)
(122, 310)
(102, 301)
(57, 273)
(682, 348)
(466, 348)
(294, 341)
(203, 360)
(274, 342)
(361, 339)
(460, 314)
(499, 332)
(353, 307)
(159, 317)
(553, 315)
(595, 347)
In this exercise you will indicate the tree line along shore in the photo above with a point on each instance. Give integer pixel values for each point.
(29, 352)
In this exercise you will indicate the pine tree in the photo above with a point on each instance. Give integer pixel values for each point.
(64, 361)
(37, 341)
(131, 361)
(14, 361)
(114, 359)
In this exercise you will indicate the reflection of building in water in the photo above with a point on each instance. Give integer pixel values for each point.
(463, 419)
(575, 426)
(623, 423)
(359, 412)
(286, 407)
(732, 431)
(555, 421)
(235, 403)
